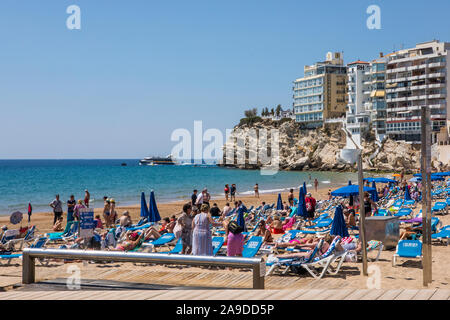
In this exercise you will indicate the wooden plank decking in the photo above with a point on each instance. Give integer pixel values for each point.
(315, 294)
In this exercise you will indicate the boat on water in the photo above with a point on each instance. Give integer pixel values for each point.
(155, 161)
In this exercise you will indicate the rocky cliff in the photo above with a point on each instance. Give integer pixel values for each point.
(319, 149)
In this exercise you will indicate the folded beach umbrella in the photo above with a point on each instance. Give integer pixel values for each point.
(304, 188)
(240, 218)
(338, 226)
(153, 209)
(279, 202)
(301, 206)
(374, 194)
(144, 208)
(349, 182)
(407, 195)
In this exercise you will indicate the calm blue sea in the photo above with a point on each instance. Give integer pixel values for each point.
(37, 181)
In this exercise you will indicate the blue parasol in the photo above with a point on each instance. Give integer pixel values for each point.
(338, 226)
(304, 188)
(351, 190)
(381, 180)
(301, 211)
(279, 202)
(153, 209)
(374, 194)
(144, 208)
(349, 182)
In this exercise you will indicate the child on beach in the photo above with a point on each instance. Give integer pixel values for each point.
(58, 224)
(98, 222)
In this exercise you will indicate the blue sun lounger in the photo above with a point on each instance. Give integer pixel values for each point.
(38, 244)
(177, 249)
(252, 247)
(323, 223)
(72, 229)
(403, 212)
(288, 264)
(443, 234)
(439, 208)
(407, 249)
(217, 243)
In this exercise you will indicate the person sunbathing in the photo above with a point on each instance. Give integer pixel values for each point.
(296, 242)
(264, 232)
(151, 234)
(308, 246)
(277, 225)
(132, 240)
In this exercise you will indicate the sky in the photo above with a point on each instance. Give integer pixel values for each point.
(139, 69)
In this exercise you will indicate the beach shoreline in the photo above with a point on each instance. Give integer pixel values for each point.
(43, 220)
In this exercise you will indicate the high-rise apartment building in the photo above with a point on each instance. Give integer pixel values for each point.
(359, 89)
(321, 93)
(414, 78)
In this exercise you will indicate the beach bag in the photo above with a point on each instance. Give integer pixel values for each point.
(234, 228)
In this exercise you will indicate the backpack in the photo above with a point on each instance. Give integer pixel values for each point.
(234, 228)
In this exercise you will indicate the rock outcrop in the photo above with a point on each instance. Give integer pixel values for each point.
(319, 149)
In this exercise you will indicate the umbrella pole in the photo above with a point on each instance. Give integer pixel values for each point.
(362, 215)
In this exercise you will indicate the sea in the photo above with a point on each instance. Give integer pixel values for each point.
(38, 181)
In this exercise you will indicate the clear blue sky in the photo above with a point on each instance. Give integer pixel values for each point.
(139, 69)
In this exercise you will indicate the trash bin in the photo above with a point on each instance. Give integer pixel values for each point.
(385, 229)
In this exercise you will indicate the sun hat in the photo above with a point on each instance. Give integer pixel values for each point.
(112, 200)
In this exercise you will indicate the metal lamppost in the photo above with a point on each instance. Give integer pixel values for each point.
(426, 194)
(362, 213)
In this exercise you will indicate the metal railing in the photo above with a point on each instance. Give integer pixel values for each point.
(29, 256)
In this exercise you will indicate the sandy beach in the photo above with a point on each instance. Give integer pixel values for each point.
(406, 275)
(44, 220)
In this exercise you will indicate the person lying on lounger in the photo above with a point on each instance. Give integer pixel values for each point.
(264, 232)
(132, 240)
(310, 247)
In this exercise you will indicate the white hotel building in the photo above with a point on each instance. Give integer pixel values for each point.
(417, 77)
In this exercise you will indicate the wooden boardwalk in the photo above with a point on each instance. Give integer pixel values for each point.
(313, 294)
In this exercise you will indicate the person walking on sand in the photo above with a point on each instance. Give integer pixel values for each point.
(316, 184)
(256, 189)
(201, 236)
(57, 208)
(226, 190)
(194, 197)
(70, 208)
(310, 206)
(87, 197)
(233, 192)
(185, 221)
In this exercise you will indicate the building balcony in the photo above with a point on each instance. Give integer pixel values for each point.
(395, 70)
(436, 64)
(437, 96)
(437, 75)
